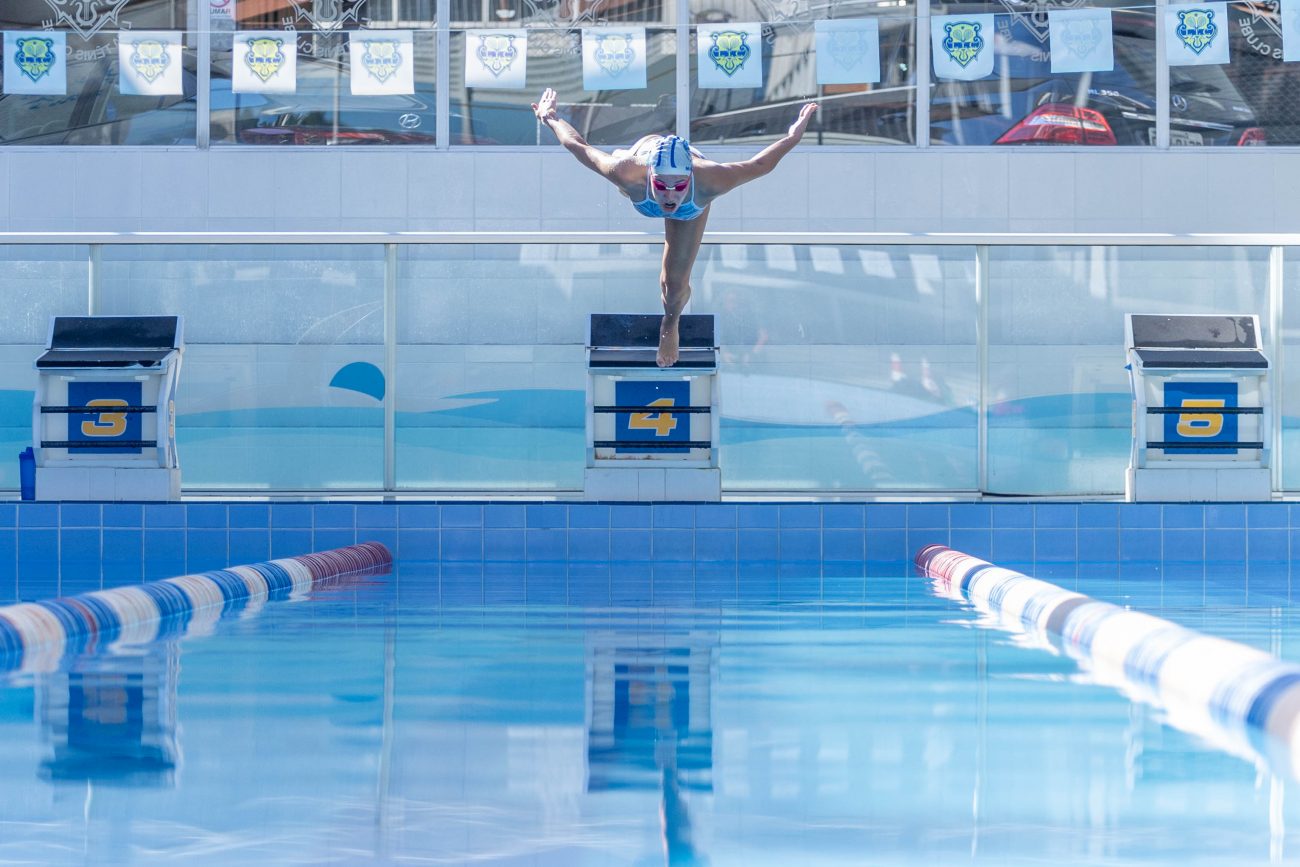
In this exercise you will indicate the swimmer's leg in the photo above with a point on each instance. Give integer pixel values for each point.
(681, 245)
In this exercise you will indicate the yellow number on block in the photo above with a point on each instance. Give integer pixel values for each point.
(108, 424)
(662, 423)
(1191, 424)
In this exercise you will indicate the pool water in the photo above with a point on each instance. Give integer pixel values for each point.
(380, 723)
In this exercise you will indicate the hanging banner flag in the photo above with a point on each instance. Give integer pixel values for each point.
(1290, 30)
(264, 62)
(496, 59)
(383, 62)
(730, 55)
(1197, 35)
(149, 63)
(848, 51)
(36, 62)
(962, 46)
(613, 58)
(1080, 40)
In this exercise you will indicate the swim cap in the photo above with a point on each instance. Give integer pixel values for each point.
(672, 156)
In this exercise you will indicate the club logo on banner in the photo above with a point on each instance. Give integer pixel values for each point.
(1080, 40)
(655, 425)
(496, 59)
(149, 64)
(383, 62)
(613, 59)
(1196, 35)
(730, 55)
(1201, 427)
(85, 17)
(36, 62)
(265, 63)
(848, 51)
(961, 47)
(104, 425)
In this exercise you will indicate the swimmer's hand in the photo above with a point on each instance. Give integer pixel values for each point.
(544, 108)
(801, 123)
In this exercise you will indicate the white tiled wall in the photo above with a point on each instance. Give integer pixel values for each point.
(939, 190)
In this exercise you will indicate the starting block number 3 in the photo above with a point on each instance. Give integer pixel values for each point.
(662, 423)
(106, 424)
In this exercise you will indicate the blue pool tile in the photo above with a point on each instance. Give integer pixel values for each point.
(1055, 546)
(630, 582)
(715, 516)
(547, 516)
(844, 581)
(629, 515)
(80, 515)
(504, 582)
(545, 544)
(546, 583)
(972, 516)
(975, 542)
(208, 516)
(164, 516)
(290, 543)
(1268, 576)
(715, 583)
(80, 546)
(756, 581)
(588, 584)
(799, 516)
(927, 516)
(844, 545)
(1184, 545)
(502, 515)
(918, 539)
(629, 545)
(462, 543)
(1013, 548)
(673, 544)
(411, 544)
(843, 516)
(1140, 544)
(123, 557)
(886, 546)
(8, 515)
(673, 583)
(1099, 515)
(754, 545)
(1183, 516)
(1267, 515)
(1186, 573)
(38, 557)
(672, 515)
(716, 545)
(291, 516)
(1140, 570)
(206, 549)
(334, 516)
(1139, 516)
(246, 546)
(461, 583)
(592, 516)
(387, 538)
(886, 516)
(757, 515)
(1267, 544)
(462, 515)
(589, 545)
(1098, 545)
(38, 515)
(1056, 516)
(800, 545)
(377, 516)
(126, 515)
(505, 544)
(796, 584)
(164, 554)
(1013, 516)
(249, 516)
(1225, 547)
(1225, 515)
(413, 516)
(329, 538)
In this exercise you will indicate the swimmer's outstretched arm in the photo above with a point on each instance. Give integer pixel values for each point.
(593, 158)
(718, 178)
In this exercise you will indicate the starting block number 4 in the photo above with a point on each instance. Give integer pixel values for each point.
(662, 423)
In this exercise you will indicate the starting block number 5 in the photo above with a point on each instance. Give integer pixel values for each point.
(106, 424)
(1192, 424)
(662, 423)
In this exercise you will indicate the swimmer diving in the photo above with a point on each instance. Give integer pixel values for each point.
(664, 176)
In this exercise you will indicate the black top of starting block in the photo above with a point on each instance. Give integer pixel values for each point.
(641, 331)
(1158, 359)
(110, 341)
(1194, 331)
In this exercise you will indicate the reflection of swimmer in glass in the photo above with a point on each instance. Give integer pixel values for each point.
(665, 177)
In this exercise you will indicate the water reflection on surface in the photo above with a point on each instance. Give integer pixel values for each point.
(376, 725)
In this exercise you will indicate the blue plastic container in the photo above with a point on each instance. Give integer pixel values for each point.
(27, 473)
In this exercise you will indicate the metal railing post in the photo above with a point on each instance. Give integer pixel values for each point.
(390, 367)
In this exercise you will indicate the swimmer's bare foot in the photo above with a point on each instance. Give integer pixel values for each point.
(668, 341)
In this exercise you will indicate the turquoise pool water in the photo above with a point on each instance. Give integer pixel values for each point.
(390, 722)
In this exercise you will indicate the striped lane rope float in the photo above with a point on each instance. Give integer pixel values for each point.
(35, 635)
(1209, 685)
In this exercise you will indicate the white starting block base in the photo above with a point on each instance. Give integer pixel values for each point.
(108, 484)
(1199, 485)
(652, 483)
